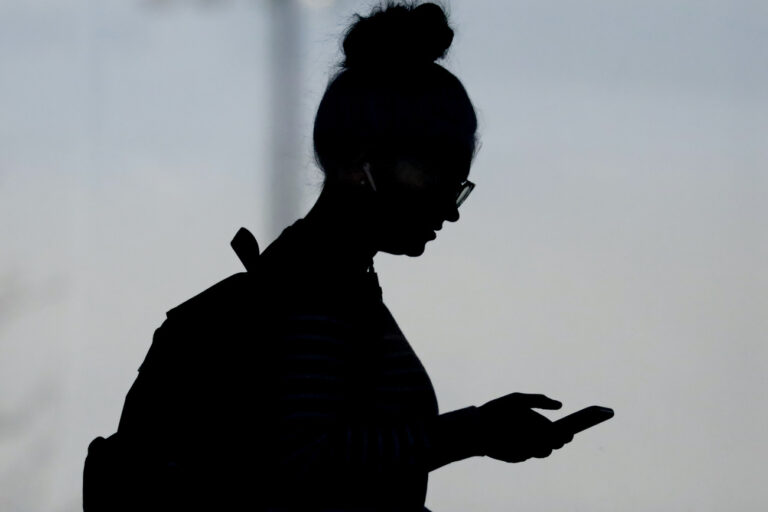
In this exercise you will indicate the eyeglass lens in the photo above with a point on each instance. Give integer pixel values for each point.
(466, 188)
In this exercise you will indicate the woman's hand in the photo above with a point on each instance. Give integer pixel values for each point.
(510, 431)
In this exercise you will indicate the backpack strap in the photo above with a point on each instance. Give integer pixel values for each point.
(224, 295)
(247, 248)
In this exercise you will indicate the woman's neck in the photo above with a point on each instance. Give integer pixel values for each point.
(340, 219)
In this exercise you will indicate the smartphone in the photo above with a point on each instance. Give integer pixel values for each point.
(584, 419)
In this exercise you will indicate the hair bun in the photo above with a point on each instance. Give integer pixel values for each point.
(398, 35)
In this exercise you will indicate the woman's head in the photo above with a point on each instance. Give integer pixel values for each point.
(392, 108)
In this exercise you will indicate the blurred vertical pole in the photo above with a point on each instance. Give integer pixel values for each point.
(285, 71)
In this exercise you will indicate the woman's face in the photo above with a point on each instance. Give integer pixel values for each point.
(414, 198)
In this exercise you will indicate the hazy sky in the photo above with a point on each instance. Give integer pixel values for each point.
(614, 252)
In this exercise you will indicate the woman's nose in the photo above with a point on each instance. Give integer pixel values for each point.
(452, 214)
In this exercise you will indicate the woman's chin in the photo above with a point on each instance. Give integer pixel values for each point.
(416, 251)
(415, 248)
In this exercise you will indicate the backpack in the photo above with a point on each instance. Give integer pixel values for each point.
(190, 435)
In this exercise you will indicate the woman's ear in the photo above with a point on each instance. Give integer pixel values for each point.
(357, 174)
(353, 176)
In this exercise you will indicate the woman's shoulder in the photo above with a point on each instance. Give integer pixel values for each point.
(232, 293)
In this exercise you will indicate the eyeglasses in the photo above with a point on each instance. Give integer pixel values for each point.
(465, 188)
(464, 191)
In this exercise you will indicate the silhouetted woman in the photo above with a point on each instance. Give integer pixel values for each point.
(291, 387)
(358, 422)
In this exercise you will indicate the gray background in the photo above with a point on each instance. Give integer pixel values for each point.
(614, 252)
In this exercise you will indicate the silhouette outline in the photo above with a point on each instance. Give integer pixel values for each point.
(290, 386)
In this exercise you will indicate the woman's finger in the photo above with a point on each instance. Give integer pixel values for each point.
(538, 401)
